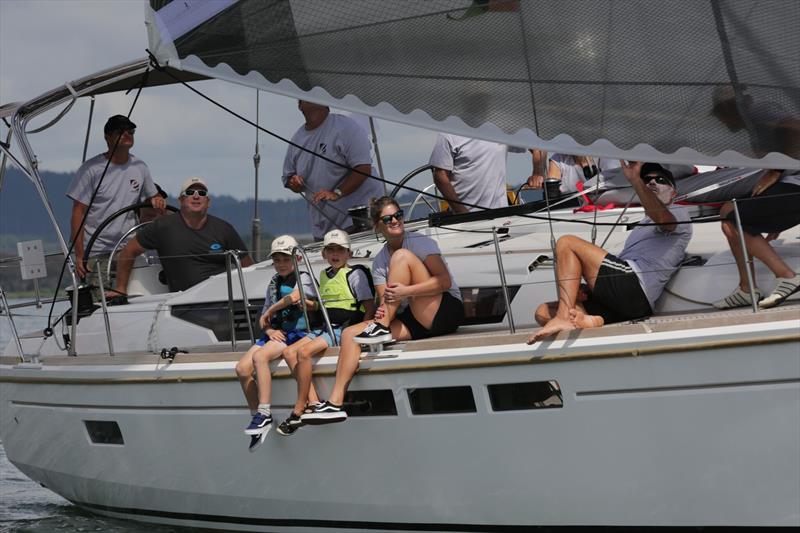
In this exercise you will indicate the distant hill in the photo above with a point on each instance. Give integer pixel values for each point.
(22, 216)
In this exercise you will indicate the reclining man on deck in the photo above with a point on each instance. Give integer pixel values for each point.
(624, 287)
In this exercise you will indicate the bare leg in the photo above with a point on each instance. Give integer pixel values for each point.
(406, 268)
(575, 258)
(732, 235)
(244, 370)
(763, 251)
(271, 350)
(303, 372)
(349, 355)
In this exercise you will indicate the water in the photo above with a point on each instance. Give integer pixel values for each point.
(26, 506)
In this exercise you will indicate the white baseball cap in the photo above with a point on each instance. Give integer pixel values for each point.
(338, 237)
(190, 182)
(283, 245)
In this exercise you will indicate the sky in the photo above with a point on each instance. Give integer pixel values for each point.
(45, 43)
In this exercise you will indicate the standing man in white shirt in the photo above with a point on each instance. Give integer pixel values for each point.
(330, 188)
(472, 172)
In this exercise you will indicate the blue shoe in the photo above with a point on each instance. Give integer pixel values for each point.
(256, 441)
(259, 425)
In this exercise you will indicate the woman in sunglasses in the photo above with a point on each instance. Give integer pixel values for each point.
(418, 299)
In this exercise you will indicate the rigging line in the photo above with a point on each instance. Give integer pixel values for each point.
(91, 202)
(614, 225)
(528, 68)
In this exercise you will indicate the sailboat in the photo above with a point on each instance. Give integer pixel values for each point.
(688, 418)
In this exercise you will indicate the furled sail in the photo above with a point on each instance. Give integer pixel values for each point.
(710, 82)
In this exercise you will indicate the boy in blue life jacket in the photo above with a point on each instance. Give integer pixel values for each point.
(348, 294)
(284, 324)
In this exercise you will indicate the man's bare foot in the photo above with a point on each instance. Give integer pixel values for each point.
(553, 327)
(583, 321)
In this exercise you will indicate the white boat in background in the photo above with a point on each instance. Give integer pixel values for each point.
(689, 418)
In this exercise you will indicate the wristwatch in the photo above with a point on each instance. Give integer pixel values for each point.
(338, 192)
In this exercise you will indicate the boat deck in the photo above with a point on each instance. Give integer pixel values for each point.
(487, 336)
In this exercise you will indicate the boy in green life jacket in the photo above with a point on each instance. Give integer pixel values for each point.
(349, 298)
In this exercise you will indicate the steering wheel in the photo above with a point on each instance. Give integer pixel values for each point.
(110, 219)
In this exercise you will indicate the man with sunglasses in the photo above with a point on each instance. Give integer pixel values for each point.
(125, 181)
(623, 287)
(191, 244)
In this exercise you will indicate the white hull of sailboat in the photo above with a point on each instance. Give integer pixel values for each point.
(691, 427)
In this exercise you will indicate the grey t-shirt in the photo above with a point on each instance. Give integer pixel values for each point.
(764, 117)
(478, 169)
(420, 245)
(122, 186)
(655, 253)
(341, 139)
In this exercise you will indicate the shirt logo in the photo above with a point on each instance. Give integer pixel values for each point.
(134, 184)
(323, 148)
(216, 247)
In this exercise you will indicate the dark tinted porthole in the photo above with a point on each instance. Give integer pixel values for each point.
(529, 395)
(441, 400)
(370, 403)
(104, 432)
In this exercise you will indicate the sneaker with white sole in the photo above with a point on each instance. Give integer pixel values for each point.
(256, 441)
(737, 298)
(785, 288)
(373, 334)
(324, 413)
(290, 425)
(259, 424)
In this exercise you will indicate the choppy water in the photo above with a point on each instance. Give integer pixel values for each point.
(25, 506)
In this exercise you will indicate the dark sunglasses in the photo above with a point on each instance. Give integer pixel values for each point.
(397, 215)
(195, 192)
(661, 180)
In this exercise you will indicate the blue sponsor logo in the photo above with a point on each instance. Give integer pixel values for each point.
(216, 247)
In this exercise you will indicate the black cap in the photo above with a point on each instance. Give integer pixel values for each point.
(657, 168)
(118, 123)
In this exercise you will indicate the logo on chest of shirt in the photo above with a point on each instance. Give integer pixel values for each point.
(323, 148)
(215, 247)
(134, 184)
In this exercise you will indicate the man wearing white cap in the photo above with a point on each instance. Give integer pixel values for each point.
(191, 244)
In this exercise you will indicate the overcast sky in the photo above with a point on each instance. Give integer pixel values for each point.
(44, 43)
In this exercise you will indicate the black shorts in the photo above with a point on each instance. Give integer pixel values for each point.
(617, 295)
(774, 210)
(449, 316)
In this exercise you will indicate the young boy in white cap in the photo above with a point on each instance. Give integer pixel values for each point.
(283, 323)
(349, 297)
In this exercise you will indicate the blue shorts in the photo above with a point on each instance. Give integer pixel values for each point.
(323, 334)
(292, 337)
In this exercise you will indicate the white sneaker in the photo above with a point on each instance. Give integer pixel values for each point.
(737, 298)
(785, 288)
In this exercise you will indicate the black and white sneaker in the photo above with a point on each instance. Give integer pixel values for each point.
(256, 441)
(290, 425)
(375, 333)
(324, 413)
(259, 424)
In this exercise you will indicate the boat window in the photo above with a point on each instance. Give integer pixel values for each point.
(485, 305)
(370, 403)
(528, 395)
(104, 432)
(441, 400)
(214, 316)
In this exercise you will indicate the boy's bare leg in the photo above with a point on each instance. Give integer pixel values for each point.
(244, 370)
(575, 258)
(303, 373)
(349, 355)
(271, 350)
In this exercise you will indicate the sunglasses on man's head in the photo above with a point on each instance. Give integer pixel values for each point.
(197, 192)
(661, 180)
(397, 215)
